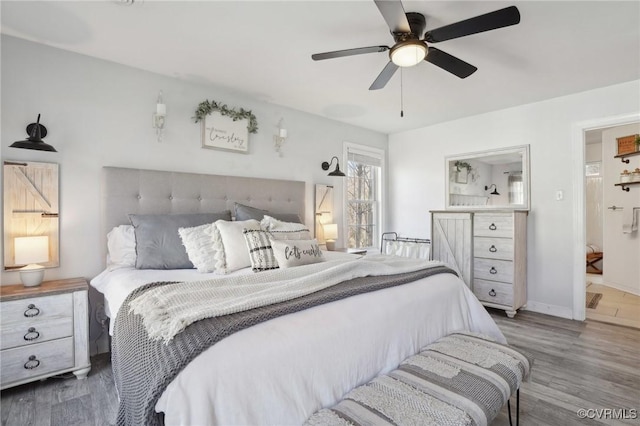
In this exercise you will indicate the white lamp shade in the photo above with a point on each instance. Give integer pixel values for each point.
(31, 250)
(330, 231)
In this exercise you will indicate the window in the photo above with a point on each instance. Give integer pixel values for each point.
(363, 191)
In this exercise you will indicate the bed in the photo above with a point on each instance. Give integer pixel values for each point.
(282, 370)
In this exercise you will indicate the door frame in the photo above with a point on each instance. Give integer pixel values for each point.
(578, 131)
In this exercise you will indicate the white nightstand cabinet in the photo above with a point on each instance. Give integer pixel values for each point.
(44, 331)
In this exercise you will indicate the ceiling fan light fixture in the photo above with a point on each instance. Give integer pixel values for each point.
(408, 53)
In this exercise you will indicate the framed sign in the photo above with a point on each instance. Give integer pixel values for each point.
(222, 132)
(627, 144)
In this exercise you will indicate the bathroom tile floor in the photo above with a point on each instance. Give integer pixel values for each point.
(615, 307)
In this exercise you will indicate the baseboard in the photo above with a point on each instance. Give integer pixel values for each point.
(554, 310)
(620, 287)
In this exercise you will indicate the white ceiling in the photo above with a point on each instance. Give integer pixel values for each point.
(263, 49)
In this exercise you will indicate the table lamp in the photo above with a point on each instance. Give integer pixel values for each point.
(30, 251)
(330, 235)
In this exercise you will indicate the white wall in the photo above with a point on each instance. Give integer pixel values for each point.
(98, 113)
(417, 184)
(621, 268)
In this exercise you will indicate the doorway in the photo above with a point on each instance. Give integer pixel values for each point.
(612, 275)
(579, 131)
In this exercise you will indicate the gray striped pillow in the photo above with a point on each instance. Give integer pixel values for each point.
(260, 250)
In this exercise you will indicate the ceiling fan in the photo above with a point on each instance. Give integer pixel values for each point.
(409, 49)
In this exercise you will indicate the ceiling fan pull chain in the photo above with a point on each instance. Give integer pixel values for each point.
(401, 95)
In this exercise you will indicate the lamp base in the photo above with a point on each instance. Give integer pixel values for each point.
(331, 245)
(32, 275)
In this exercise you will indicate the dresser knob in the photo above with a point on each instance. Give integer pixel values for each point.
(31, 311)
(32, 363)
(32, 334)
(493, 249)
(493, 271)
(492, 293)
(493, 227)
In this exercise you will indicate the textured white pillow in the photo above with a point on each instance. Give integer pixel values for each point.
(121, 245)
(290, 253)
(272, 224)
(199, 243)
(234, 253)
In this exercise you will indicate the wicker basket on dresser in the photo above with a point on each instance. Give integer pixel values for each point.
(489, 249)
(44, 331)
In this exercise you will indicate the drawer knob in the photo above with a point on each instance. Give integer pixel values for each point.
(493, 227)
(31, 311)
(32, 334)
(493, 271)
(493, 249)
(32, 363)
(492, 293)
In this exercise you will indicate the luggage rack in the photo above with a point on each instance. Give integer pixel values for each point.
(391, 243)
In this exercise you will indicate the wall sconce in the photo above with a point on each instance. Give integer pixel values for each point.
(159, 117)
(280, 138)
(30, 251)
(495, 189)
(36, 132)
(336, 172)
(330, 235)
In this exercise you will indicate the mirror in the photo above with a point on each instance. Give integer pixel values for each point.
(30, 214)
(493, 179)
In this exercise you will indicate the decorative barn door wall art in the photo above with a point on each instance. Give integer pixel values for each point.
(30, 207)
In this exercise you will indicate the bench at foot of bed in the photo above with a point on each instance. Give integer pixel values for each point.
(461, 379)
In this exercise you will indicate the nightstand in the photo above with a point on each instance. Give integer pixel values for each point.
(44, 330)
(352, 251)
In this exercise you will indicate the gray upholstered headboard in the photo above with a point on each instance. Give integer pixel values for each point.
(126, 191)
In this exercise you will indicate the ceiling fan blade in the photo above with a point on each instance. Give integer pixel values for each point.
(384, 77)
(449, 63)
(393, 13)
(348, 52)
(487, 22)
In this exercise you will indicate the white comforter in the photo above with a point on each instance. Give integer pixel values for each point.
(281, 371)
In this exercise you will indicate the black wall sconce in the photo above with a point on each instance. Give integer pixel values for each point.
(495, 189)
(336, 172)
(36, 132)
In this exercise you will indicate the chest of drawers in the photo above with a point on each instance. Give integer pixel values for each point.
(489, 250)
(44, 331)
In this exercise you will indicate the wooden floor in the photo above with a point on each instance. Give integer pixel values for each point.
(615, 307)
(590, 365)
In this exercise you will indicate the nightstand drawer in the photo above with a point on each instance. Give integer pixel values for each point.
(493, 248)
(36, 309)
(32, 332)
(493, 269)
(36, 360)
(493, 292)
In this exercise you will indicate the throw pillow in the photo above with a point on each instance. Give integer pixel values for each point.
(260, 250)
(290, 253)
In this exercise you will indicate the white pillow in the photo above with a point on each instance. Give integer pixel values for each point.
(290, 253)
(121, 246)
(200, 246)
(272, 224)
(233, 253)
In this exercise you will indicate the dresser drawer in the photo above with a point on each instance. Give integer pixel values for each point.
(493, 292)
(43, 358)
(493, 225)
(493, 248)
(493, 269)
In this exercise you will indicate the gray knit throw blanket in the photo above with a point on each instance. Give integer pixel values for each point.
(140, 379)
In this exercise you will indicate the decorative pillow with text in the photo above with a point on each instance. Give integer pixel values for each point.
(290, 253)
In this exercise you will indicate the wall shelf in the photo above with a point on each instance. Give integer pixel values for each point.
(625, 186)
(623, 157)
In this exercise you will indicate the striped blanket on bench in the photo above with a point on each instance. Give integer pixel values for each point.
(461, 379)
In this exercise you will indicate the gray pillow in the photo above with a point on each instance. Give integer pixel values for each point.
(158, 244)
(243, 212)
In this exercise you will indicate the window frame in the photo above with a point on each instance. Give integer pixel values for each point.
(381, 191)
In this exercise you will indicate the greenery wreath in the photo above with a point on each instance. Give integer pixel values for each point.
(207, 107)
